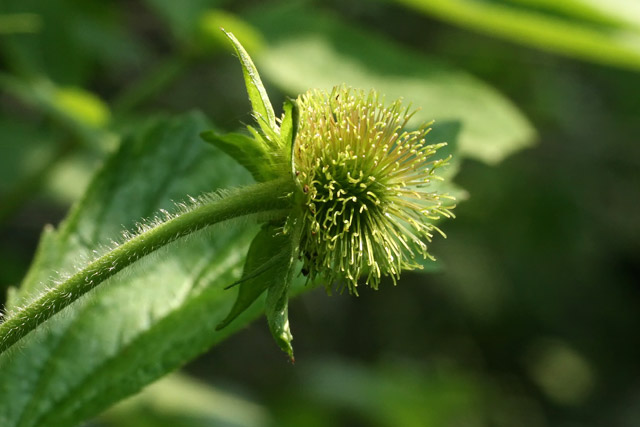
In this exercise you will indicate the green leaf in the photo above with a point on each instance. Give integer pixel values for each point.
(309, 49)
(179, 400)
(211, 39)
(20, 23)
(592, 39)
(444, 132)
(93, 32)
(181, 16)
(402, 393)
(147, 320)
(78, 110)
(23, 151)
(245, 150)
(267, 253)
(617, 13)
(262, 108)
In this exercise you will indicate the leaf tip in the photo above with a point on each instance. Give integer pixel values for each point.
(285, 345)
(221, 325)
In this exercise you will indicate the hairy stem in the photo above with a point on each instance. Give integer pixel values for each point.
(264, 198)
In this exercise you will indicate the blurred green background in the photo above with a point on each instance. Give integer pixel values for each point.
(532, 317)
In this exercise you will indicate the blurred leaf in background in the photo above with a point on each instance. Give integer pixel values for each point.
(180, 401)
(319, 50)
(583, 29)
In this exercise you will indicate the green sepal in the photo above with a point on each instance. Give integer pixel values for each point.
(277, 305)
(268, 254)
(289, 127)
(249, 152)
(277, 302)
(262, 108)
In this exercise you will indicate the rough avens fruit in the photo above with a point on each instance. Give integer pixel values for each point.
(367, 204)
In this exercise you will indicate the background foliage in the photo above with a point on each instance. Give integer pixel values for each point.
(530, 316)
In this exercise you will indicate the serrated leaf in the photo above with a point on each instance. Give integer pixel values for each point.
(244, 149)
(262, 108)
(310, 49)
(147, 320)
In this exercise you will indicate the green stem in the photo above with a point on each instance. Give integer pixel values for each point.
(266, 198)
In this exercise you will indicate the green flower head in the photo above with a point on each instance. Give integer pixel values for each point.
(362, 203)
(368, 207)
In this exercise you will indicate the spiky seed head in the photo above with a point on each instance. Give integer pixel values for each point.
(367, 207)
